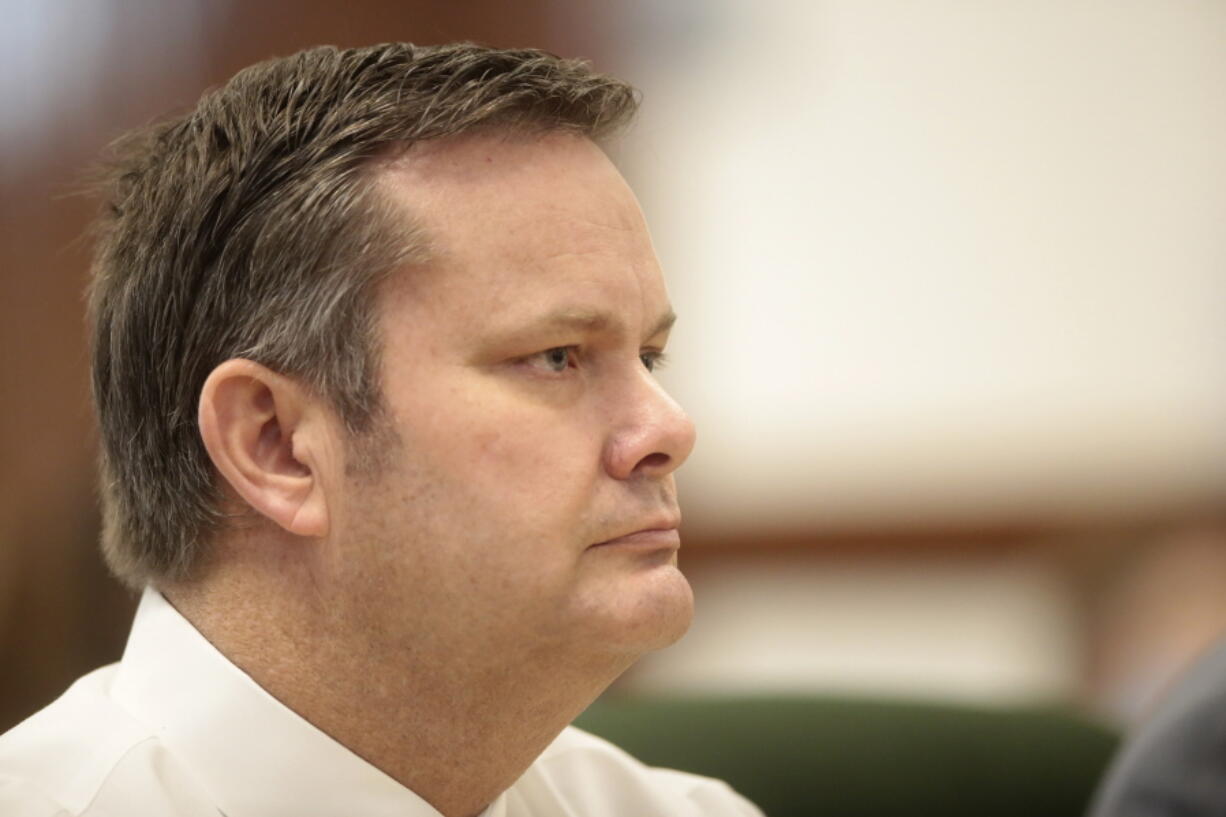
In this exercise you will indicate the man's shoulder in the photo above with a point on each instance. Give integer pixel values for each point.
(593, 776)
(71, 733)
(71, 757)
(60, 755)
(1174, 759)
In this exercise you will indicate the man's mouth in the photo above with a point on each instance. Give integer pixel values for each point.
(654, 535)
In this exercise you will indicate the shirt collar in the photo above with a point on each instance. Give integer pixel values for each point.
(255, 756)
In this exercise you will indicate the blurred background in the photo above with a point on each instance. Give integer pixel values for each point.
(952, 286)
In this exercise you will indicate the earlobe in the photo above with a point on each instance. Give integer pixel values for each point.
(264, 436)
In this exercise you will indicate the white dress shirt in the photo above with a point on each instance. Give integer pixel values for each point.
(175, 729)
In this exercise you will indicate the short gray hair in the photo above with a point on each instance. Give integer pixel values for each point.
(248, 227)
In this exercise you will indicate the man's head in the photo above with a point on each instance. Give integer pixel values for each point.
(397, 301)
(249, 227)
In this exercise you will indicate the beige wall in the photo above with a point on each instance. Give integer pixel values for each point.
(942, 260)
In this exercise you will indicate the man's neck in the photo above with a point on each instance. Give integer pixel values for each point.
(457, 730)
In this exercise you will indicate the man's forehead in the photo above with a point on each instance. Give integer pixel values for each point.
(484, 157)
(534, 231)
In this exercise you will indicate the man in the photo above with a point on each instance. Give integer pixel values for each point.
(1173, 765)
(374, 333)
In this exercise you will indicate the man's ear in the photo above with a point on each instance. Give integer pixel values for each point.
(267, 438)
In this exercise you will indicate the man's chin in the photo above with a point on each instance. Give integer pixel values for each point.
(647, 613)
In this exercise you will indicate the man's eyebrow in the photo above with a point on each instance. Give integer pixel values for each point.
(595, 319)
(572, 318)
(664, 324)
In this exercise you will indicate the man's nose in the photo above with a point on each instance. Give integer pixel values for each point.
(652, 435)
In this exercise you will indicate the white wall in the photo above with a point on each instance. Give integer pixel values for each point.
(940, 259)
(935, 260)
(992, 632)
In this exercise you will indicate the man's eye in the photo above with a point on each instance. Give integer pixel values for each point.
(653, 360)
(557, 359)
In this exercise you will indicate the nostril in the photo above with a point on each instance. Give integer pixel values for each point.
(656, 460)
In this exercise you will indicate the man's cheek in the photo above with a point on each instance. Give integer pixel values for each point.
(530, 455)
